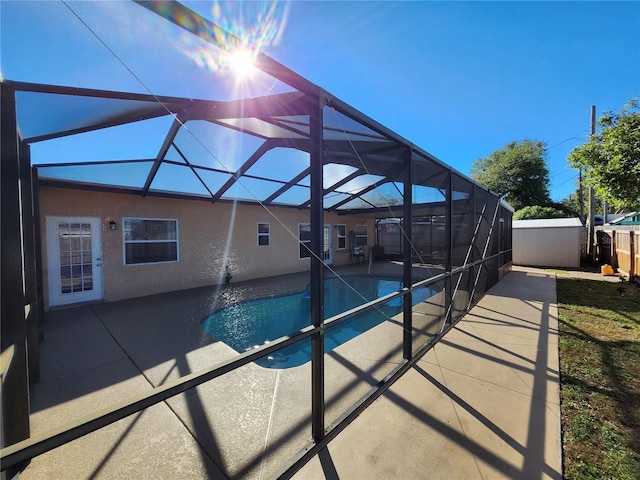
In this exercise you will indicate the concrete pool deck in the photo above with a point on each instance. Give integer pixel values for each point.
(483, 403)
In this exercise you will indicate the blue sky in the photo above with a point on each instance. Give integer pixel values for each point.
(462, 79)
(459, 79)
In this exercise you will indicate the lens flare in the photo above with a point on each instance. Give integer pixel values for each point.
(253, 26)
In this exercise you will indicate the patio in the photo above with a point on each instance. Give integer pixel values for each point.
(251, 421)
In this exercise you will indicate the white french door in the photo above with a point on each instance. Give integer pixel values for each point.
(74, 259)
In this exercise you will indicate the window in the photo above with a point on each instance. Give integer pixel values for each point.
(263, 235)
(342, 236)
(362, 236)
(304, 238)
(149, 240)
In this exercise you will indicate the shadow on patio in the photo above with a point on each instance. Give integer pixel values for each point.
(248, 421)
(485, 397)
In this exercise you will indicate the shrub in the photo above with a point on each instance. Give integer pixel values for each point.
(537, 211)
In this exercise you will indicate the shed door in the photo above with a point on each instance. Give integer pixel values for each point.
(74, 259)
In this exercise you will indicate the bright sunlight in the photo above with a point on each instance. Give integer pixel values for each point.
(241, 63)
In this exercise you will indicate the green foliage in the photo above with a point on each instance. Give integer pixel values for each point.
(518, 171)
(388, 199)
(571, 205)
(537, 211)
(611, 160)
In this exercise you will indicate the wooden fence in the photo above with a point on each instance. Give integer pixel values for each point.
(621, 250)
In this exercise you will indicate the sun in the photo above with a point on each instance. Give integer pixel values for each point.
(241, 63)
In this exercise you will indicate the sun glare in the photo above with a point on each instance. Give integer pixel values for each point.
(241, 63)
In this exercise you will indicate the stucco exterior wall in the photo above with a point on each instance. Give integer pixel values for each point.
(211, 236)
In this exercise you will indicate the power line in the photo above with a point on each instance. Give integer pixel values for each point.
(575, 137)
(568, 180)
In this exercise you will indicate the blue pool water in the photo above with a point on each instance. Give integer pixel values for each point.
(251, 324)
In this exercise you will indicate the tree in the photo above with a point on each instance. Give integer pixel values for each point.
(378, 199)
(610, 161)
(517, 171)
(537, 211)
(571, 204)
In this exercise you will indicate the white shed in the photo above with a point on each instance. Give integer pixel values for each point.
(553, 242)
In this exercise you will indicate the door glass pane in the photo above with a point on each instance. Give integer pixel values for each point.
(76, 274)
(86, 242)
(76, 278)
(65, 259)
(65, 279)
(75, 241)
(64, 242)
(87, 277)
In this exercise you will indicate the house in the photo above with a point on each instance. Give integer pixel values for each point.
(632, 218)
(100, 245)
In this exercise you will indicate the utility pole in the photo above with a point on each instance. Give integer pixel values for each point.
(591, 251)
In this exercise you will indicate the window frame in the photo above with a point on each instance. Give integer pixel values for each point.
(360, 236)
(266, 235)
(341, 236)
(300, 247)
(126, 242)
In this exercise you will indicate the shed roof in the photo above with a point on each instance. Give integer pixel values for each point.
(548, 223)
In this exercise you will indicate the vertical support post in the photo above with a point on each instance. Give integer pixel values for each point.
(407, 250)
(14, 416)
(449, 236)
(29, 267)
(633, 249)
(612, 250)
(317, 270)
(38, 253)
(591, 252)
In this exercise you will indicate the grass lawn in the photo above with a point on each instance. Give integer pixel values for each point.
(599, 379)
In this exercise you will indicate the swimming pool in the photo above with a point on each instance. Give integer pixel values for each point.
(251, 324)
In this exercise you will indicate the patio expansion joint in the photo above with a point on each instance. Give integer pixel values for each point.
(113, 337)
(513, 370)
(444, 369)
(203, 449)
(270, 423)
(502, 354)
(455, 409)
